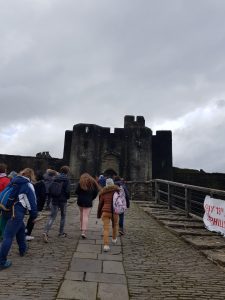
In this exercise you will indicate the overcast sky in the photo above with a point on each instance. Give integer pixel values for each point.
(64, 62)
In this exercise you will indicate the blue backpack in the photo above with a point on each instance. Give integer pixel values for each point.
(8, 197)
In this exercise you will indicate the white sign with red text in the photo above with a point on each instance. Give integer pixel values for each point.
(214, 217)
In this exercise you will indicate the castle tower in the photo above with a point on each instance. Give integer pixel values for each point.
(127, 152)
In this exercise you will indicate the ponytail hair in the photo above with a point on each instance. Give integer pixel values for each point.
(27, 172)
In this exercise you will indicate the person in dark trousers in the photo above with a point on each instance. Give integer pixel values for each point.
(87, 191)
(26, 200)
(48, 179)
(40, 191)
(118, 181)
(59, 203)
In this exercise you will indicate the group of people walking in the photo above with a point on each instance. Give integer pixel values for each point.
(33, 191)
(87, 190)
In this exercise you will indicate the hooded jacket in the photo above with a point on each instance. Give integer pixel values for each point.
(65, 193)
(26, 196)
(105, 199)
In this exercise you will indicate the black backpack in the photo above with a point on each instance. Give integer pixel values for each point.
(55, 188)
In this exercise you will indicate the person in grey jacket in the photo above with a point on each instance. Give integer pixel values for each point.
(59, 202)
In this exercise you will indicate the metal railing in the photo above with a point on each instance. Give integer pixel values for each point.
(188, 198)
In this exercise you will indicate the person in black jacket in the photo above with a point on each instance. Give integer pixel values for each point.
(87, 191)
(59, 202)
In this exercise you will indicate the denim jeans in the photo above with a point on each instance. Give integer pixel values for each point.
(121, 221)
(14, 227)
(3, 220)
(53, 215)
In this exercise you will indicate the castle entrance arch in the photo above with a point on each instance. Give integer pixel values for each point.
(110, 164)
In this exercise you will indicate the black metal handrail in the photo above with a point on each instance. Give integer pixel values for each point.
(188, 198)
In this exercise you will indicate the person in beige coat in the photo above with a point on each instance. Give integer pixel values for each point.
(105, 211)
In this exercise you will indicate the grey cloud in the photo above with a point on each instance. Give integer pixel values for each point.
(66, 62)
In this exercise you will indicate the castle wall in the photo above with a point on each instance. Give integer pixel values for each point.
(199, 178)
(85, 149)
(18, 163)
(127, 151)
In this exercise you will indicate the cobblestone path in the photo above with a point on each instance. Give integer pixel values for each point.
(159, 265)
(39, 274)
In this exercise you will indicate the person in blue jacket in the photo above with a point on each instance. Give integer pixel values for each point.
(15, 226)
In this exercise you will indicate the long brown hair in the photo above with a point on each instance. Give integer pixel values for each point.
(27, 172)
(87, 182)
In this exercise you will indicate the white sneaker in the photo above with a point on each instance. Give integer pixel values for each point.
(114, 241)
(106, 248)
(29, 238)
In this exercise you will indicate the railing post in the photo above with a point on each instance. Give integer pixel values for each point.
(187, 201)
(156, 192)
(169, 196)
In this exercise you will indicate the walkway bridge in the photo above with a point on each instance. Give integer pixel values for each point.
(166, 253)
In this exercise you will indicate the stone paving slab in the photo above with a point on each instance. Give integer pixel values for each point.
(87, 241)
(89, 248)
(112, 291)
(74, 276)
(114, 267)
(86, 265)
(108, 278)
(111, 256)
(85, 255)
(78, 290)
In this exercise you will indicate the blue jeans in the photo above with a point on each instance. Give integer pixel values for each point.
(121, 221)
(14, 227)
(53, 214)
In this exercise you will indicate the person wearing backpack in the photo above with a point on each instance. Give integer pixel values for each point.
(87, 191)
(4, 181)
(48, 179)
(118, 181)
(24, 199)
(105, 211)
(59, 191)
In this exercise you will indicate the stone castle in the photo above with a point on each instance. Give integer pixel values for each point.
(132, 152)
